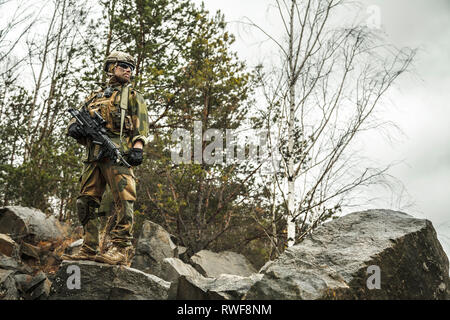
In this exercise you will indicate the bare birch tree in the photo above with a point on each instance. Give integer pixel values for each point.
(325, 92)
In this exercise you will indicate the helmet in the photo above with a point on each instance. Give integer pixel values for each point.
(118, 56)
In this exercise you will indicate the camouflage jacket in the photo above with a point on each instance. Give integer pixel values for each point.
(135, 126)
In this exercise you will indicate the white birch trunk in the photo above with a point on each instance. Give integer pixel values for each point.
(291, 178)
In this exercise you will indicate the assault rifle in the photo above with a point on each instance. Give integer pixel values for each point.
(96, 131)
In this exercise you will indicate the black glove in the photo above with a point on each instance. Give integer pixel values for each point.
(76, 131)
(135, 157)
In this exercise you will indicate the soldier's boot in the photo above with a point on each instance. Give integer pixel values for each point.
(116, 255)
(85, 253)
(119, 249)
(86, 209)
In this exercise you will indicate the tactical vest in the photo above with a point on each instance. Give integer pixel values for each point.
(109, 109)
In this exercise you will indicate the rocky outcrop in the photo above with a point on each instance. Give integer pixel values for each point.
(224, 287)
(212, 264)
(153, 246)
(87, 280)
(30, 224)
(17, 281)
(341, 260)
(29, 245)
(375, 254)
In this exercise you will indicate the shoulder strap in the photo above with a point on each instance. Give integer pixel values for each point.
(123, 108)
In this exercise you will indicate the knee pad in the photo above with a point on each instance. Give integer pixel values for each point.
(86, 209)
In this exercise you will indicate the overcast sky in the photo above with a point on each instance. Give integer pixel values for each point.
(419, 105)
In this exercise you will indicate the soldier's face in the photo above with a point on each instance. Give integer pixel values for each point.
(122, 74)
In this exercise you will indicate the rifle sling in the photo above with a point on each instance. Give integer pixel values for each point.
(123, 108)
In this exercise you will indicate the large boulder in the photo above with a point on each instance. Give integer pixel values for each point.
(31, 224)
(153, 246)
(188, 284)
(224, 287)
(98, 281)
(172, 269)
(341, 260)
(212, 264)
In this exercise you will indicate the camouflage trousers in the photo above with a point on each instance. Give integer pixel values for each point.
(121, 181)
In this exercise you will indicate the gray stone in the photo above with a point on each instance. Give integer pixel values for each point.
(42, 291)
(29, 251)
(107, 282)
(334, 261)
(74, 247)
(233, 287)
(8, 263)
(153, 246)
(172, 269)
(23, 282)
(8, 290)
(196, 288)
(211, 264)
(32, 224)
(33, 288)
(225, 287)
(76, 244)
(181, 253)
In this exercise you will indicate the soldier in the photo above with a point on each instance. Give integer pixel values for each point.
(125, 113)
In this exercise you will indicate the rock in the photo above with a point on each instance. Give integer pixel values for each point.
(106, 282)
(181, 253)
(196, 288)
(335, 261)
(29, 251)
(7, 245)
(233, 287)
(153, 246)
(42, 291)
(74, 247)
(76, 244)
(225, 287)
(33, 288)
(23, 282)
(32, 224)
(8, 263)
(211, 264)
(172, 269)
(8, 290)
